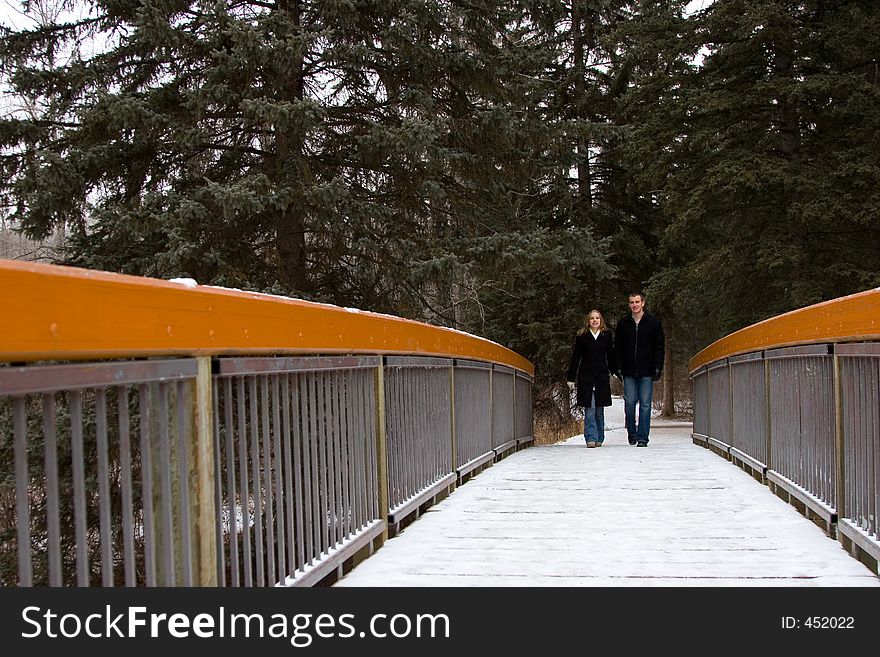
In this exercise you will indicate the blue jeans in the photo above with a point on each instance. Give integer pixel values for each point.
(594, 422)
(638, 389)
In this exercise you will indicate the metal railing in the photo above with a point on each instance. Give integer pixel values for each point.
(797, 400)
(232, 470)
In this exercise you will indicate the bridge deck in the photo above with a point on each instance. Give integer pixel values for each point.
(673, 514)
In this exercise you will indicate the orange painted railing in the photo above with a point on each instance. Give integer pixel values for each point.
(793, 399)
(64, 313)
(847, 319)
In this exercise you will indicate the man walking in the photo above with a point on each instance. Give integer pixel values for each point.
(639, 343)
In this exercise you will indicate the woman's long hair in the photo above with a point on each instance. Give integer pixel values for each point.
(586, 326)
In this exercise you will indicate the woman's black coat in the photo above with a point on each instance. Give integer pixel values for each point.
(591, 361)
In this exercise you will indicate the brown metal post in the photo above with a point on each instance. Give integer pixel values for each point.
(202, 463)
(454, 461)
(730, 408)
(491, 414)
(768, 411)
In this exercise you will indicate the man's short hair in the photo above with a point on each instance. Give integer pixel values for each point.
(636, 294)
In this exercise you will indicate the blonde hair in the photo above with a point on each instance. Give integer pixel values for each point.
(586, 326)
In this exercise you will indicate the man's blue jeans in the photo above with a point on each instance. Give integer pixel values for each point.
(594, 422)
(638, 389)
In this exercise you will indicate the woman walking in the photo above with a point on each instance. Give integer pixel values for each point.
(592, 360)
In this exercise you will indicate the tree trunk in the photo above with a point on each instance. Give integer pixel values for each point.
(581, 47)
(290, 166)
(668, 380)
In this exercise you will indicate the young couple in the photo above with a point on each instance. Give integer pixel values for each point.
(633, 353)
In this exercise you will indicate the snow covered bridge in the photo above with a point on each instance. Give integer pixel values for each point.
(161, 433)
(563, 515)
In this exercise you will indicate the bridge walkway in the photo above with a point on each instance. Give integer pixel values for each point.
(673, 514)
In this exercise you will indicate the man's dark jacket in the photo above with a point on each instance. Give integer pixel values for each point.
(640, 348)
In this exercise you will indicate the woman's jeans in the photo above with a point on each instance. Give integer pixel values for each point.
(638, 389)
(594, 422)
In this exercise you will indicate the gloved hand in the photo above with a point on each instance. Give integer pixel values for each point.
(571, 385)
(657, 374)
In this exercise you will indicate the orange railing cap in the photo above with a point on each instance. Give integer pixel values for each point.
(65, 313)
(847, 319)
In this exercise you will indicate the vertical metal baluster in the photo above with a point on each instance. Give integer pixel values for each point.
(147, 486)
(322, 457)
(345, 434)
(167, 511)
(421, 445)
(183, 474)
(326, 464)
(314, 424)
(851, 439)
(403, 433)
(870, 445)
(359, 438)
(287, 438)
(337, 457)
(327, 457)
(53, 515)
(332, 519)
(392, 431)
(419, 411)
(245, 493)
(125, 466)
(827, 472)
(820, 390)
(874, 440)
(398, 420)
(219, 525)
(231, 496)
(427, 450)
(462, 449)
(298, 405)
(470, 395)
(436, 427)
(307, 421)
(330, 432)
(372, 465)
(267, 480)
(255, 481)
(396, 432)
(843, 424)
(412, 432)
(22, 509)
(104, 488)
(806, 417)
(79, 488)
(819, 443)
(279, 484)
(863, 442)
(864, 449)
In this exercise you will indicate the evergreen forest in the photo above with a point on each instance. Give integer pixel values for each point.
(498, 167)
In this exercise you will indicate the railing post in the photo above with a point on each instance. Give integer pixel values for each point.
(839, 457)
(381, 449)
(768, 411)
(491, 409)
(454, 459)
(730, 409)
(202, 460)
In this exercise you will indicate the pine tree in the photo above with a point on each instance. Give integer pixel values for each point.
(767, 162)
(276, 146)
